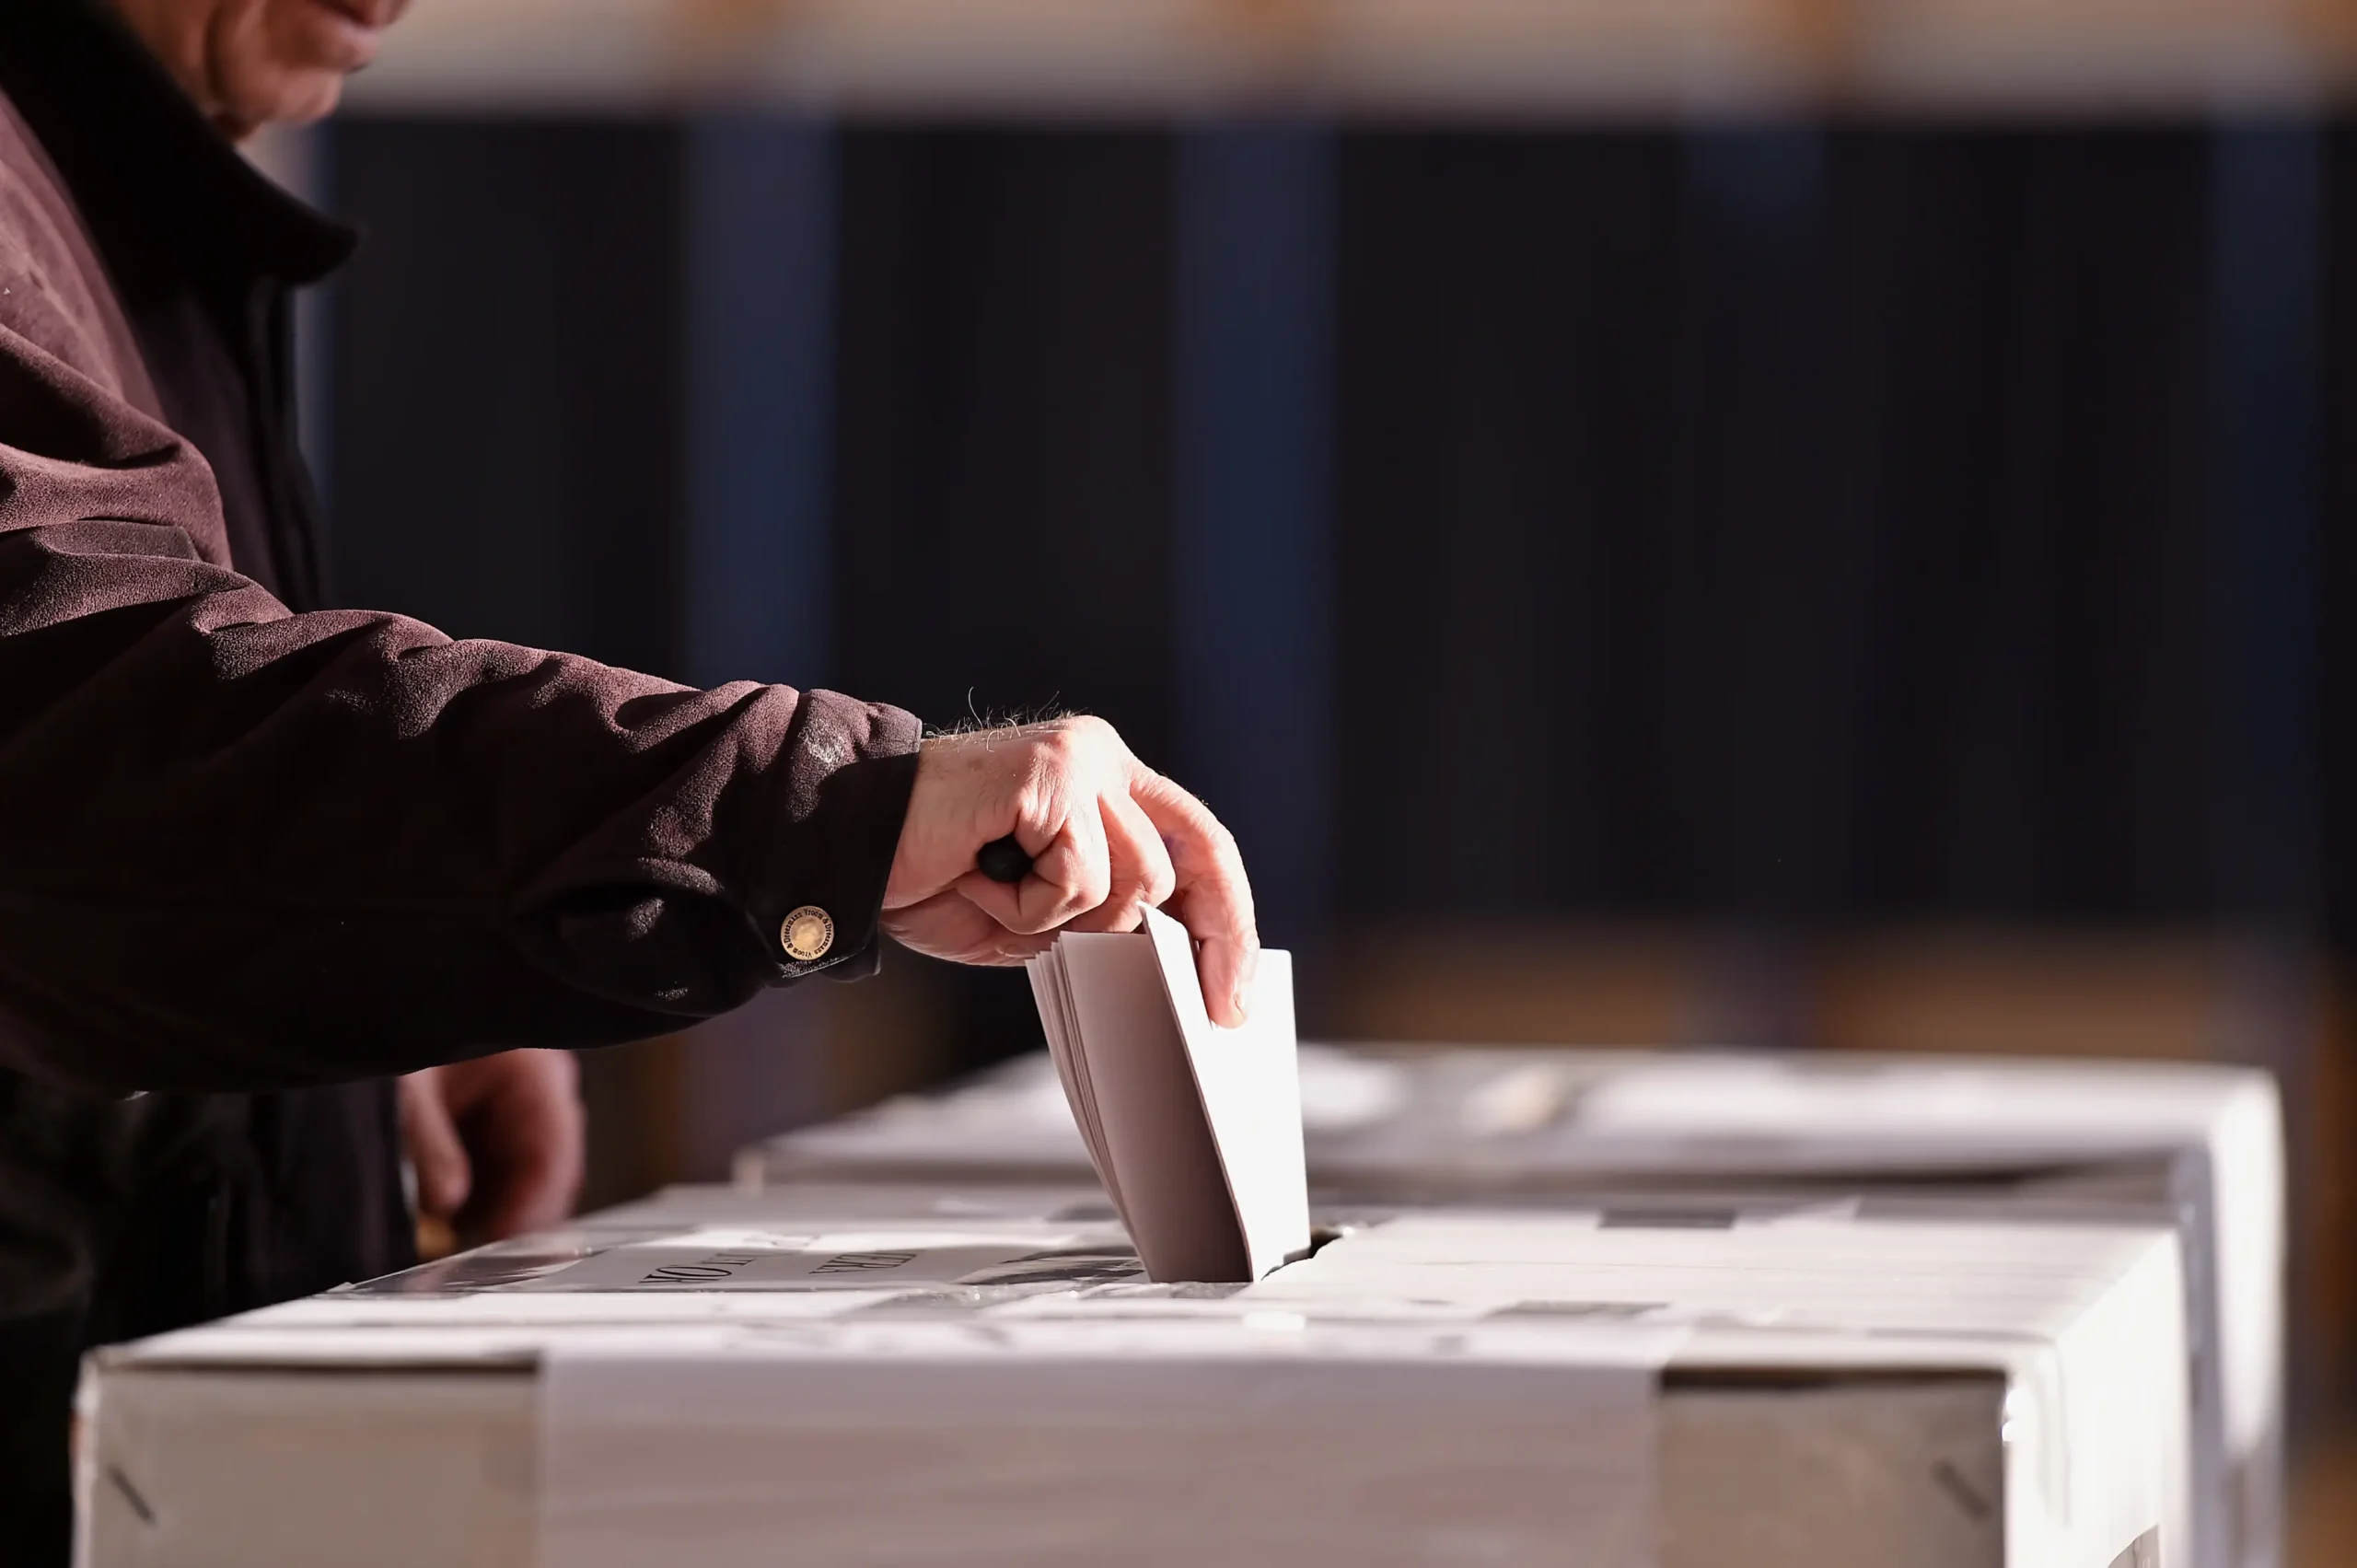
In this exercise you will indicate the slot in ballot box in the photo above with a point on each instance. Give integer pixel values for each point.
(2197, 1147)
(1789, 1386)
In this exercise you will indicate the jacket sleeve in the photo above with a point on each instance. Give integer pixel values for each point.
(243, 848)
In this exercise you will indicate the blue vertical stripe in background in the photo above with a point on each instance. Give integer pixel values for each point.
(1253, 575)
(2267, 194)
(759, 578)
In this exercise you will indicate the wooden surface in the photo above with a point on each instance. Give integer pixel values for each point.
(2324, 1503)
(1477, 58)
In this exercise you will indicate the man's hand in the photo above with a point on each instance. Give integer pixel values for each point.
(497, 1143)
(1108, 836)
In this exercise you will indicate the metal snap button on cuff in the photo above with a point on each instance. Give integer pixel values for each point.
(808, 933)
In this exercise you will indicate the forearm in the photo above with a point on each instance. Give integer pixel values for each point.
(240, 847)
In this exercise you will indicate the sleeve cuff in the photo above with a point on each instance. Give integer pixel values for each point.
(817, 903)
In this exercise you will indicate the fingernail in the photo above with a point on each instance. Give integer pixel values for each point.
(1243, 1000)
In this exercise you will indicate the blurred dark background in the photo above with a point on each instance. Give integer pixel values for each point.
(1849, 579)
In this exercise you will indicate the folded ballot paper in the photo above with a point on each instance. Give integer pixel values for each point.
(2195, 1146)
(1784, 1386)
(1194, 1129)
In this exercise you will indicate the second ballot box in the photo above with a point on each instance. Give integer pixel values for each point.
(739, 1378)
(2195, 1147)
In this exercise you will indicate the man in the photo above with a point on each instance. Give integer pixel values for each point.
(255, 855)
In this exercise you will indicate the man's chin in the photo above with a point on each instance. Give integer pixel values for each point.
(295, 98)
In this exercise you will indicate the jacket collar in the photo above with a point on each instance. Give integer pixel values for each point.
(149, 171)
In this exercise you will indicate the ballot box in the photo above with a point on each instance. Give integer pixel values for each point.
(1785, 1385)
(2197, 1147)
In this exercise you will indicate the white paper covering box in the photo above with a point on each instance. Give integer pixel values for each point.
(2197, 1146)
(1790, 1388)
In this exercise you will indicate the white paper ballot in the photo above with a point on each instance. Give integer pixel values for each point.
(1195, 1130)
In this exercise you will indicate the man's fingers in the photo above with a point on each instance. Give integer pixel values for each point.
(1109, 838)
(951, 925)
(431, 1138)
(1213, 898)
(1224, 963)
(1071, 876)
(1141, 876)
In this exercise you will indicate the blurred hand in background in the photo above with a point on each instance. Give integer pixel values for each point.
(498, 1143)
